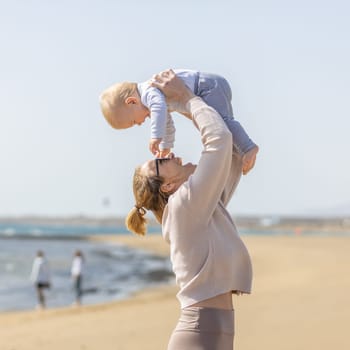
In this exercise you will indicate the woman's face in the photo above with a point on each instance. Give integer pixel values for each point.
(164, 167)
(170, 169)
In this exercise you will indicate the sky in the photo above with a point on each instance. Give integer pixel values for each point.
(287, 63)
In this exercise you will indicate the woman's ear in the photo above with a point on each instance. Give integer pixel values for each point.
(167, 187)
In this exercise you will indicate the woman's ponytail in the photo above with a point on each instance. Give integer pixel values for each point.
(147, 196)
(136, 221)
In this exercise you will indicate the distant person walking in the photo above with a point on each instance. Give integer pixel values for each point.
(77, 275)
(40, 276)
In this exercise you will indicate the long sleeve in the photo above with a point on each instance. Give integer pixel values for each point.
(206, 185)
(235, 174)
(35, 271)
(40, 271)
(154, 100)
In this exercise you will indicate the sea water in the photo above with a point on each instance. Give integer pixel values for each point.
(111, 271)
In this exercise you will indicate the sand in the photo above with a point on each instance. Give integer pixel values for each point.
(300, 300)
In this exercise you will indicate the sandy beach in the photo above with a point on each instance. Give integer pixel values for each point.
(300, 301)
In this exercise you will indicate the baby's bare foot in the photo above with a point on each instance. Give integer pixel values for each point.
(249, 160)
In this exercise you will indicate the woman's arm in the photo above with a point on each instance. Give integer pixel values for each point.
(207, 184)
(169, 135)
(205, 187)
(235, 174)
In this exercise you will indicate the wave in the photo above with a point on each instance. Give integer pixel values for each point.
(57, 231)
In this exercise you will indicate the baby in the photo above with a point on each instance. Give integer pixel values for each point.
(127, 104)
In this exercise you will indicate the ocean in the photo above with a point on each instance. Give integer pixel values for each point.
(112, 272)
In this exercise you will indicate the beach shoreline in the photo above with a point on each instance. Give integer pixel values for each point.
(299, 301)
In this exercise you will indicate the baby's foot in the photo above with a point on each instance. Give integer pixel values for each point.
(249, 160)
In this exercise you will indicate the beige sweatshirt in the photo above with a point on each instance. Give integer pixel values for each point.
(208, 257)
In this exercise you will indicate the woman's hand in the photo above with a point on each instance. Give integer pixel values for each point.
(174, 89)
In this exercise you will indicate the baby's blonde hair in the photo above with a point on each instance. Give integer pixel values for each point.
(113, 98)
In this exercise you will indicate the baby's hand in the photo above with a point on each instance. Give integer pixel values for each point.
(164, 153)
(154, 146)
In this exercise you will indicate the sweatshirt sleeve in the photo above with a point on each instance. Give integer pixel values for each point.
(155, 101)
(207, 183)
(234, 176)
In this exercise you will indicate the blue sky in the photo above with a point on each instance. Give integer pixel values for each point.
(287, 62)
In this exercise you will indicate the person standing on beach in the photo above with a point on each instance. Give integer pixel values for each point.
(77, 275)
(40, 276)
(209, 259)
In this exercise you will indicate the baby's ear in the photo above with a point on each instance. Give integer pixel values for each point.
(131, 100)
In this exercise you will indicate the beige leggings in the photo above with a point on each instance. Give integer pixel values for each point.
(203, 329)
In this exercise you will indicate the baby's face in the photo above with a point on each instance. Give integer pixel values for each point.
(130, 115)
(138, 113)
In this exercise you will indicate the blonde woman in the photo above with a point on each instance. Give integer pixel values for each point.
(208, 257)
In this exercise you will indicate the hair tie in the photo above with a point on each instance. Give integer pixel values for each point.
(140, 210)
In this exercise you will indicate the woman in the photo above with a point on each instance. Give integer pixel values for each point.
(209, 259)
